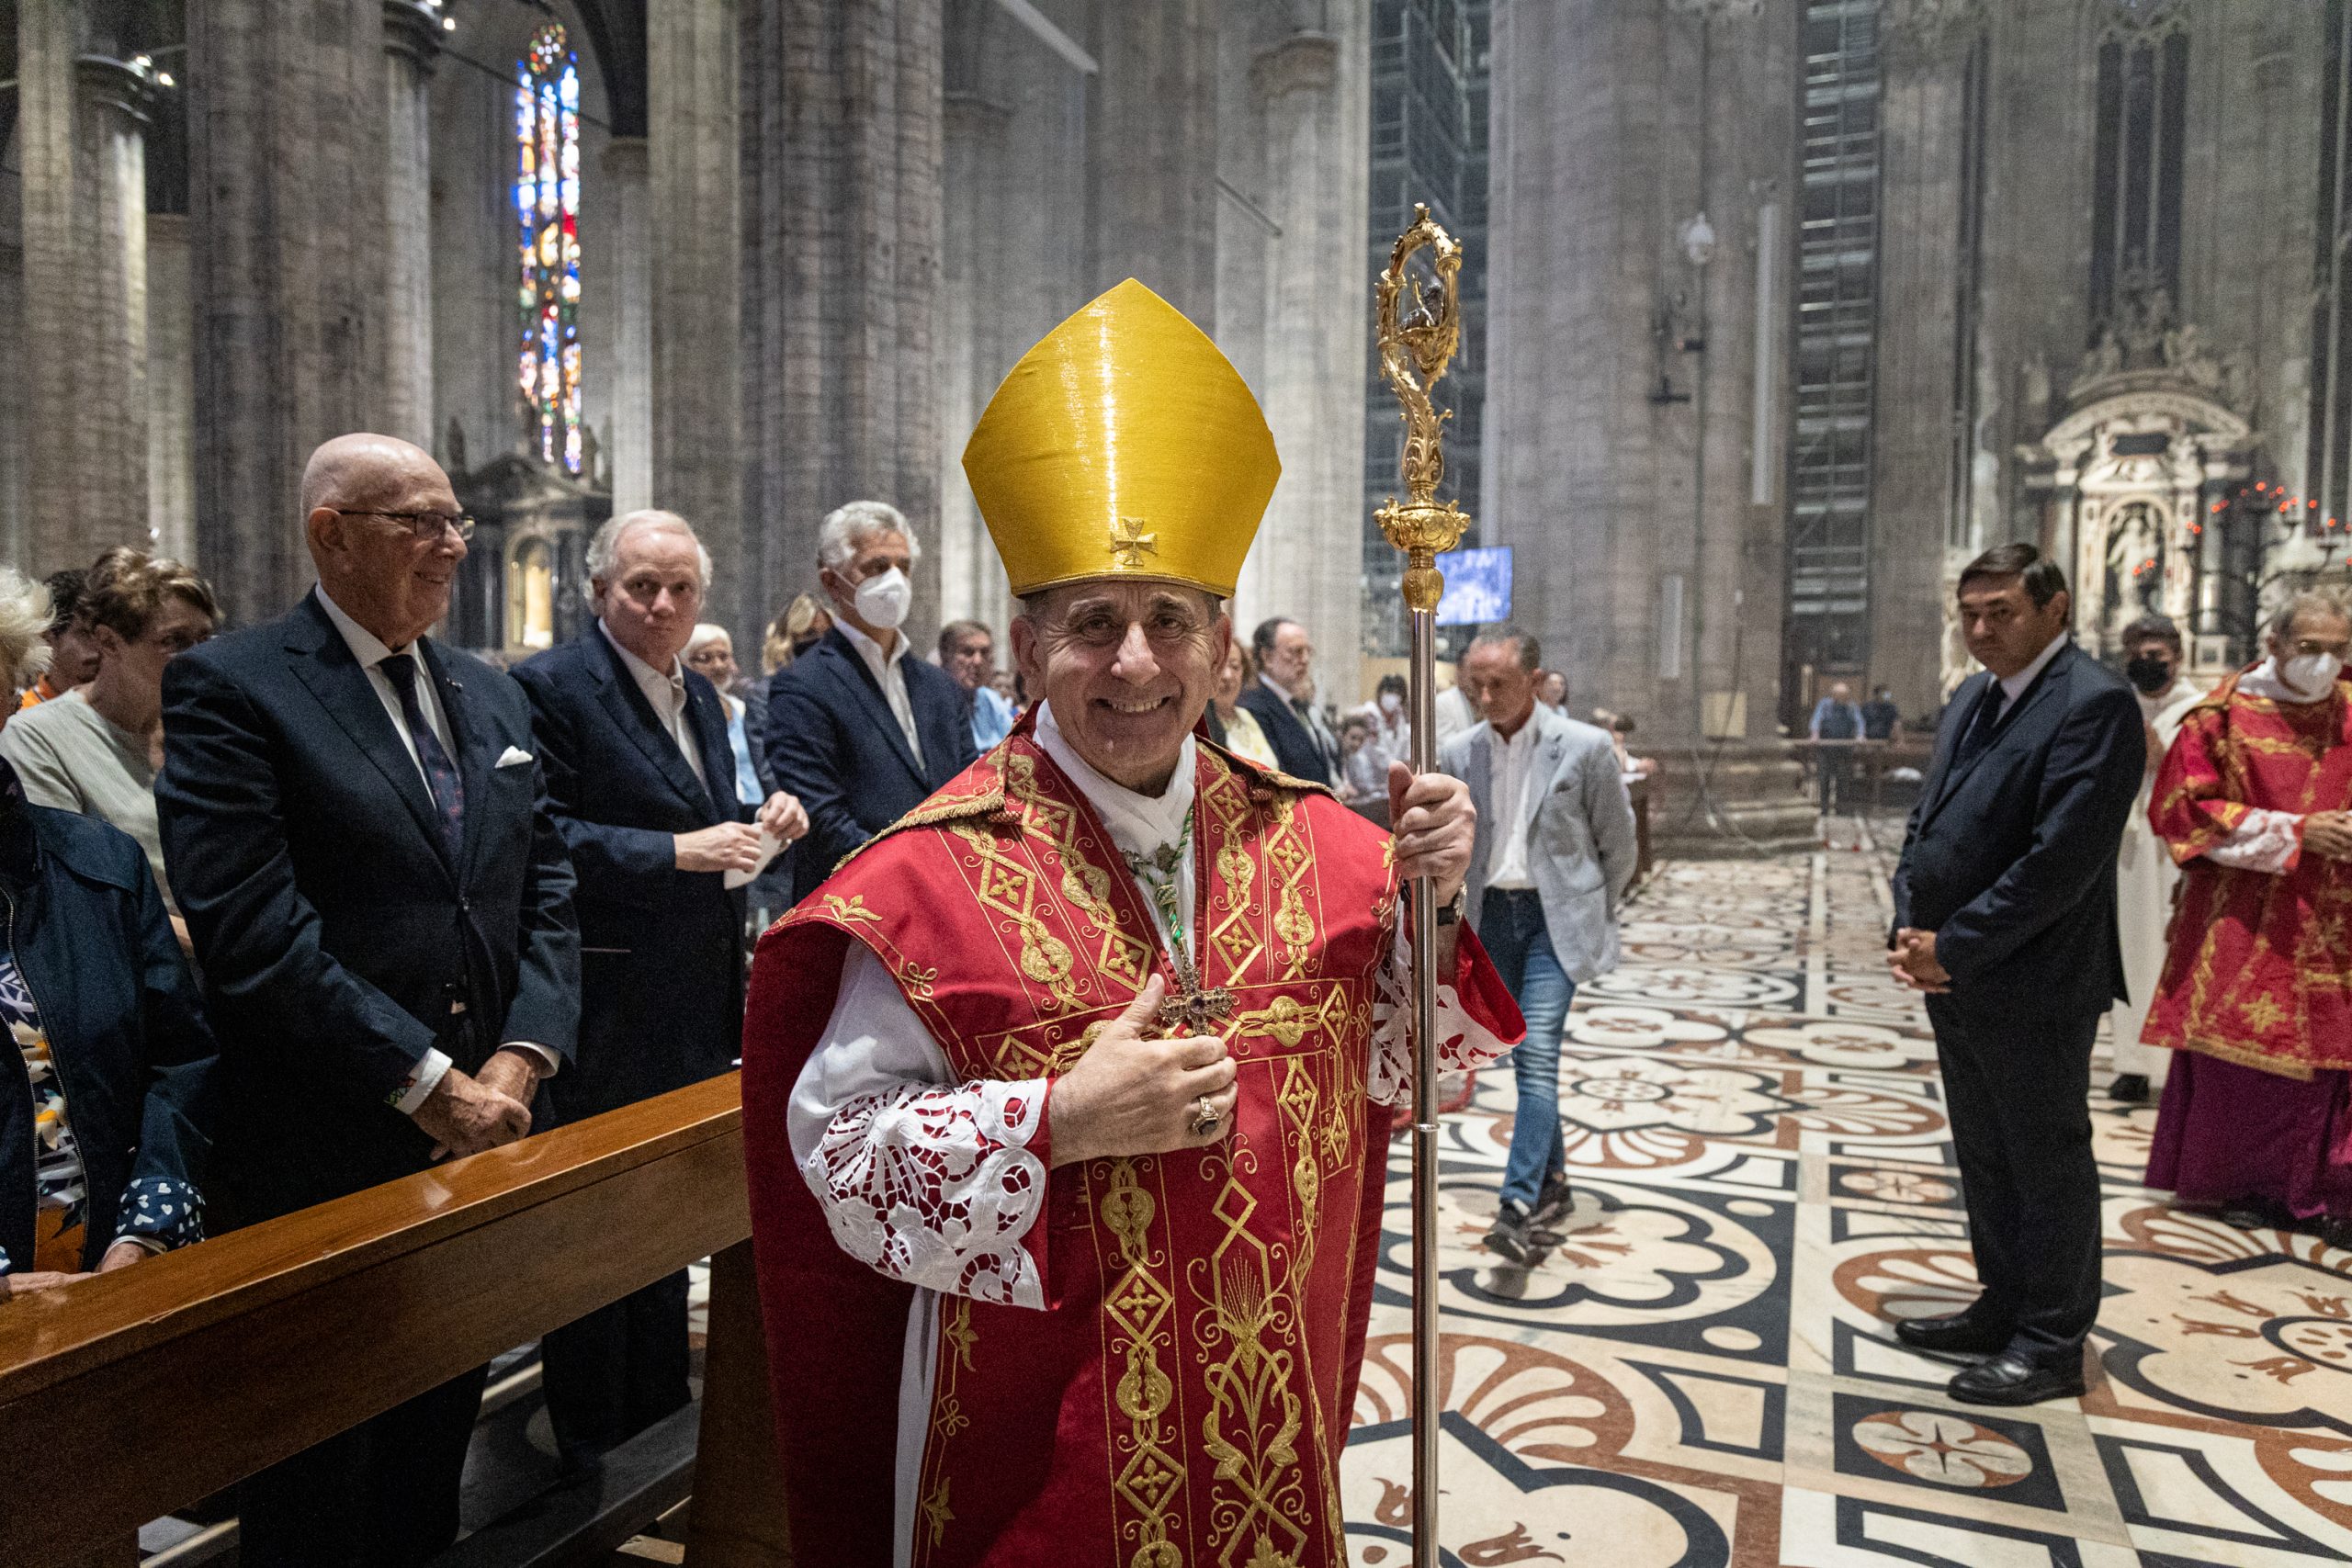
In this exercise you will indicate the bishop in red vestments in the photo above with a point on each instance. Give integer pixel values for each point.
(2256, 994)
(1065, 1099)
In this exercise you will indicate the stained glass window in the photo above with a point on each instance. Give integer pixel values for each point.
(547, 209)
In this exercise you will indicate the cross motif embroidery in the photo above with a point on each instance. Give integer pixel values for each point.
(1130, 544)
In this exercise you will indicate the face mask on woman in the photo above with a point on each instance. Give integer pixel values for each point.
(1390, 702)
(2150, 672)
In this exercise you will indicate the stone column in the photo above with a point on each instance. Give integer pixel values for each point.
(1151, 150)
(171, 389)
(285, 133)
(697, 387)
(973, 354)
(1313, 93)
(412, 41)
(82, 134)
(1922, 363)
(841, 128)
(628, 288)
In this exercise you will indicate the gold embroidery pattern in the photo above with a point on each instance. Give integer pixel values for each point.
(1233, 940)
(1287, 855)
(1123, 954)
(1258, 1503)
(1149, 1454)
(850, 910)
(936, 1515)
(1006, 886)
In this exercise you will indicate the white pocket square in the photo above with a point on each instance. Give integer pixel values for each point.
(513, 757)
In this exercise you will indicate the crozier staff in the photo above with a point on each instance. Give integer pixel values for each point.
(1065, 1098)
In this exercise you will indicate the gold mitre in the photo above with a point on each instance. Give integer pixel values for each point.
(1124, 444)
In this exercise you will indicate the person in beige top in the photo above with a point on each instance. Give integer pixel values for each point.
(95, 750)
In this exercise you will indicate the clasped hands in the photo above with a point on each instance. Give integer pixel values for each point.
(2329, 834)
(467, 1112)
(735, 846)
(1913, 962)
(121, 1254)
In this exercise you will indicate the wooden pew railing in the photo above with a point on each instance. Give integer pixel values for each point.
(127, 1396)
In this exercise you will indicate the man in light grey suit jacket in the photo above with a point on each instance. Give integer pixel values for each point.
(1553, 854)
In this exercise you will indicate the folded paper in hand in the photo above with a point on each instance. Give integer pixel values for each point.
(770, 847)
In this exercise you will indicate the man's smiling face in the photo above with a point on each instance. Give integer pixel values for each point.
(1127, 667)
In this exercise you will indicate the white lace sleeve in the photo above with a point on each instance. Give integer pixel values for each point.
(2263, 841)
(921, 1178)
(1465, 1041)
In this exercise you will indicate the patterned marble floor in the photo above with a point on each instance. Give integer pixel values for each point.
(1704, 1373)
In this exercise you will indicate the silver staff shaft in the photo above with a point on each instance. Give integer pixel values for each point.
(1423, 700)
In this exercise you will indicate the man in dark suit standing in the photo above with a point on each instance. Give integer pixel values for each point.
(858, 729)
(357, 827)
(1283, 702)
(2004, 916)
(641, 782)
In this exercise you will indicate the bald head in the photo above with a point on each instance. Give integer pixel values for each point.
(366, 502)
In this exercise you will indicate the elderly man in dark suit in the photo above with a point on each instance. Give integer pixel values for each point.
(357, 827)
(2004, 916)
(859, 730)
(642, 780)
(1283, 702)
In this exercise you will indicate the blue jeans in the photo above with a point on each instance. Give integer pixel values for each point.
(1510, 928)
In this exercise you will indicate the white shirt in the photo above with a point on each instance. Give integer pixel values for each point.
(889, 670)
(1509, 764)
(2014, 687)
(666, 696)
(370, 650)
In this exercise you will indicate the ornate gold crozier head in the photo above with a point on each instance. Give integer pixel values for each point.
(1124, 444)
(1418, 337)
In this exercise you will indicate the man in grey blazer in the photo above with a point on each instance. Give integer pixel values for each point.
(1553, 854)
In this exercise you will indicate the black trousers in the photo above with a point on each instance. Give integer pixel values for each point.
(2016, 1088)
(1835, 766)
(383, 1494)
(613, 1373)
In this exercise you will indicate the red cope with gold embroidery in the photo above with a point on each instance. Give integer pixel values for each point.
(1184, 1398)
(2256, 966)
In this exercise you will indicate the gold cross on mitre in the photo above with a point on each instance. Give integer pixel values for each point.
(1130, 544)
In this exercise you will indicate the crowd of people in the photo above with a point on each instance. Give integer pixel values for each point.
(298, 908)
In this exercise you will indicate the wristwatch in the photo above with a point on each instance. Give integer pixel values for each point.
(1451, 910)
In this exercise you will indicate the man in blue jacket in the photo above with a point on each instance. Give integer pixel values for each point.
(860, 731)
(357, 830)
(2005, 917)
(641, 782)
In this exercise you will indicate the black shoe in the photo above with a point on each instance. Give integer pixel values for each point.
(1553, 1205)
(2012, 1379)
(2131, 1089)
(1509, 1235)
(1953, 1333)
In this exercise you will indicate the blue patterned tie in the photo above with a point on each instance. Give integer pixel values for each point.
(440, 774)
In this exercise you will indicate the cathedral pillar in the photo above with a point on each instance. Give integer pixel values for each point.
(696, 278)
(841, 127)
(81, 135)
(973, 355)
(1923, 436)
(1151, 151)
(629, 209)
(1309, 562)
(287, 219)
(412, 39)
(171, 389)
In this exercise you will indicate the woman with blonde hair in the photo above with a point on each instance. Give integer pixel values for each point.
(794, 633)
(23, 628)
(1230, 725)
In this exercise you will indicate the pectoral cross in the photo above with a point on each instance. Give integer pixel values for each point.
(1195, 1010)
(1193, 1007)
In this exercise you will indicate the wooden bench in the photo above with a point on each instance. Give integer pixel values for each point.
(141, 1391)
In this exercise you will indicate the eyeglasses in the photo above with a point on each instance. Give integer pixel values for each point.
(426, 525)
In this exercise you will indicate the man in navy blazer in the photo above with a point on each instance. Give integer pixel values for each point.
(355, 825)
(1304, 745)
(2004, 916)
(859, 729)
(641, 782)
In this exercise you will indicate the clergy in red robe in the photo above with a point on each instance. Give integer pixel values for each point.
(1065, 1099)
(2256, 994)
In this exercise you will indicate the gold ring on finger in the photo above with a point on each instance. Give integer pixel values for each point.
(1205, 1118)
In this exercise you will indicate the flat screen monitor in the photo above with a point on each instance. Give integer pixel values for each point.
(1478, 586)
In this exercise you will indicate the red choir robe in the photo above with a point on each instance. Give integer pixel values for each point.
(1183, 1395)
(2255, 985)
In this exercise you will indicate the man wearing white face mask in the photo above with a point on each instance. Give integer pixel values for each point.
(857, 729)
(2257, 995)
